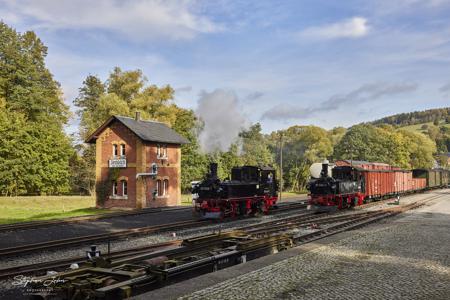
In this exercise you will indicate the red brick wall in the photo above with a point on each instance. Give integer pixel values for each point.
(167, 169)
(118, 133)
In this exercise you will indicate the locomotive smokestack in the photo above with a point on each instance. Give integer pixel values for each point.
(324, 172)
(213, 170)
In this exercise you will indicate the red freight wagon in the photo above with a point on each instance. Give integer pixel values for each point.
(419, 184)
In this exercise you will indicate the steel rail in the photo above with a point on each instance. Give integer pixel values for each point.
(18, 250)
(32, 268)
(80, 219)
(98, 237)
(344, 223)
(36, 224)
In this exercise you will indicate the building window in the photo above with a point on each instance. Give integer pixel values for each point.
(124, 188)
(115, 150)
(161, 151)
(122, 149)
(158, 188)
(114, 188)
(164, 151)
(165, 187)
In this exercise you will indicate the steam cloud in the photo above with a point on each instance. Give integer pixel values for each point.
(219, 111)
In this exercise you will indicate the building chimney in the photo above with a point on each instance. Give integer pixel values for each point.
(138, 116)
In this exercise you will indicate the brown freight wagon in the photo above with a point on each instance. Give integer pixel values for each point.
(381, 180)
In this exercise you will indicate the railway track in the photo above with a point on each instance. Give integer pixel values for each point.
(212, 252)
(81, 261)
(60, 243)
(19, 250)
(262, 230)
(71, 220)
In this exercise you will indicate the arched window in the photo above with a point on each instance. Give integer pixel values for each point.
(115, 150)
(122, 149)
(165, 187)
(124, 188)
(158, 188)
(164, 154)
(114, 188)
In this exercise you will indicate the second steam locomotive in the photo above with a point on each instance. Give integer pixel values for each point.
(250, 190)
(352, 183)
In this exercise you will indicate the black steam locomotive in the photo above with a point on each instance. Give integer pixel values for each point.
(343, 181)
(249, 190)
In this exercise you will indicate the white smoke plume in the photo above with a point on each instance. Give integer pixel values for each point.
(219, 111)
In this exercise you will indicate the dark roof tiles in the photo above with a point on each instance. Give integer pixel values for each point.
(149, 131)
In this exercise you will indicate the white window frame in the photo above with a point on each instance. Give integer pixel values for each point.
(124, 188)
(158, 187)
(114, 188)
(122, 150)
(115, 150)
(165, 151)
(161, 151)
(165, 184)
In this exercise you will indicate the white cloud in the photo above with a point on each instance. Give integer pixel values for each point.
(364, 94)
(445, 89)
(350, 28)
(138, 19)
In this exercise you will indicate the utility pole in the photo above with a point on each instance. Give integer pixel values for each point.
(281, 165)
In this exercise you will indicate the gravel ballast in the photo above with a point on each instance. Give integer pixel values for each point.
(402, 258)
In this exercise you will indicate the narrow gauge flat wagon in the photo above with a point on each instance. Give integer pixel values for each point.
(353, 183)
(250, 190)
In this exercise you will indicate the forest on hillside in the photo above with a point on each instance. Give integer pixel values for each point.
(38, 157)
(417, 117)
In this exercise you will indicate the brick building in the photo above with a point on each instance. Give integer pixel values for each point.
(137, 163)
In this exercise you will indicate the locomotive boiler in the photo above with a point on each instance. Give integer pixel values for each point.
(250, 190)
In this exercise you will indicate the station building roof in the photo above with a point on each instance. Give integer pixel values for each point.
(148, 131)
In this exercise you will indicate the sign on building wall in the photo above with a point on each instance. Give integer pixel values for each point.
(118, 163)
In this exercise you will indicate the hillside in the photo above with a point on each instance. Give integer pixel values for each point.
(435, 123)
(441, 115)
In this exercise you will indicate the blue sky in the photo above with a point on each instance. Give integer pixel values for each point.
(327, 63)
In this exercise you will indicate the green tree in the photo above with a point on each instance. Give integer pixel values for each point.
(336, 134)
(420, 149)
(126, 84)
(194, 164)
(88, 101)
(34, 150)
(255, 150)
(303, 145)
(25, 82)
(370, 143)
(386, 144)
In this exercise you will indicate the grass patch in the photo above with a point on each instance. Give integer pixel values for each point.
(418, 127)
(293, 194)
(186, 199)
(32, 208)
